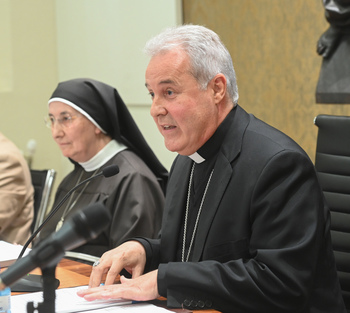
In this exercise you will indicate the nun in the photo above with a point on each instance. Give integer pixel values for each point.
(93, 128)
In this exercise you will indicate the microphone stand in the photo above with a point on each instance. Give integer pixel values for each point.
(93, 221)
(53, 212)
(49, 282)
(49, 292)
(80, 228)
(34, 282)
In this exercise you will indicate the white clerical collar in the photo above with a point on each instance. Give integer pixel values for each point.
(197, 158)
(104, 155)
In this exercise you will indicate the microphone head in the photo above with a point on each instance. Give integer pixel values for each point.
(91, 221)
(110, 170)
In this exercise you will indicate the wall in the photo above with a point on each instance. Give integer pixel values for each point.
(28, 72)
(273, 46)
(46, 41)
(103, 39)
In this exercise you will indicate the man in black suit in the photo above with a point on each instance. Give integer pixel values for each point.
(245, 226)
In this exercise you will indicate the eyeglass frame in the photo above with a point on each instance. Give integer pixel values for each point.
(65, 121)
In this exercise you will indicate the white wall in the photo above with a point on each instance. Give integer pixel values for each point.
(103, 40)
(46, 41)
(28, 74)
(6, 70)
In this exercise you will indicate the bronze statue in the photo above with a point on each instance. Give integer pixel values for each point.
(334, 46)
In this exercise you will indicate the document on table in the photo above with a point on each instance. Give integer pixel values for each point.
(67, 301)
(9, 253)
(133, 308)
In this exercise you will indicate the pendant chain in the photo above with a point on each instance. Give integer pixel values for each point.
(69, 205)
(198, 215)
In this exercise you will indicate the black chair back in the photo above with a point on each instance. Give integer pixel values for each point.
(42, 181)
(333, 166)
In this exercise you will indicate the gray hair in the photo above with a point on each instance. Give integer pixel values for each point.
(208, 55)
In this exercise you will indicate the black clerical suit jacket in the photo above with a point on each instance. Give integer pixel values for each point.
(263, 241)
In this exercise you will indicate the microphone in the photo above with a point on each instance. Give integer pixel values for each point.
(85, 225)
(33, 282)
(108, 171)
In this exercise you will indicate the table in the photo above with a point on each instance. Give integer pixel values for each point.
(72, 274)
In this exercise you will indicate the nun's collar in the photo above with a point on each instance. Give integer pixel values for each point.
(104, 155)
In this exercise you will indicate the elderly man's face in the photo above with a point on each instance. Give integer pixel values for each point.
(186, 115)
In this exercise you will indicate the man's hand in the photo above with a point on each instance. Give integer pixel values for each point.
(130, 256)
(142, 288)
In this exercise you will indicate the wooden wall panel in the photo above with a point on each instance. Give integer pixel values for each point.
(273, 46)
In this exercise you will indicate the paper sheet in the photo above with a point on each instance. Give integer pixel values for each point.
(67, 301)
(9, 253)
(133, 308)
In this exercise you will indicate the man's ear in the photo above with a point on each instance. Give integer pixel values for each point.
(219, 87)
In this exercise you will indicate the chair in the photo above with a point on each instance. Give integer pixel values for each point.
(42, 181)
(333, 166)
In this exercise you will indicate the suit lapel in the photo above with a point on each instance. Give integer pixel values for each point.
(177, 191)
(175, 199)
(221, 177)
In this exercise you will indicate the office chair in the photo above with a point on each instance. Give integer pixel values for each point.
(333, 166)
(42, 181)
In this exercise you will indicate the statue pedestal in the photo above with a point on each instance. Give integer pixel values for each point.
(334, 81)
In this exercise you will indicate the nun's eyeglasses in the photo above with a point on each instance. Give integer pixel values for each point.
(64, 121)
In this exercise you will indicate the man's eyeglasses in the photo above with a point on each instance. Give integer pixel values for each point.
(65, 120)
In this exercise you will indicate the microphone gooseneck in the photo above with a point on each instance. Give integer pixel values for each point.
(108, 171)
(83, 226)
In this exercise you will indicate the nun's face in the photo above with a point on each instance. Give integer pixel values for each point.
(76, 136)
